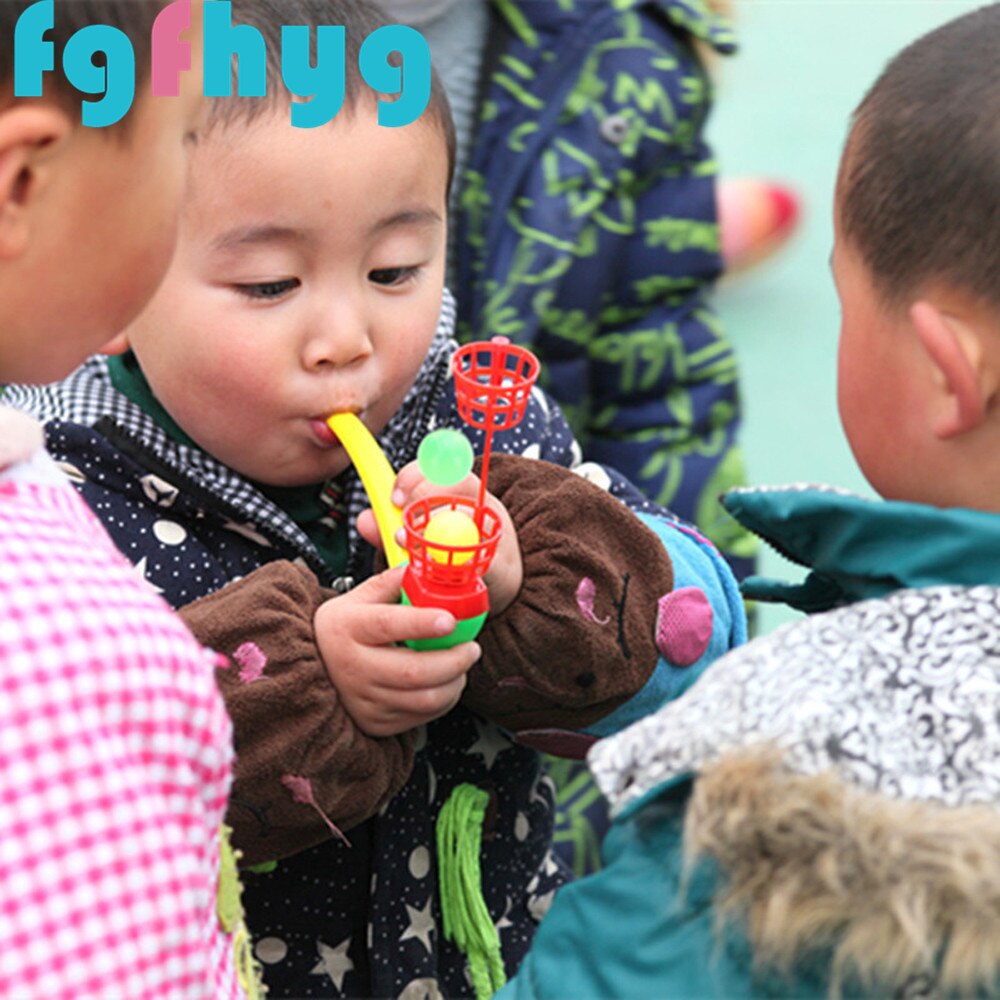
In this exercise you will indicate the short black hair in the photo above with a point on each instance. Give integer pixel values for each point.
(919, 184)
(133, 17)
(359, 19)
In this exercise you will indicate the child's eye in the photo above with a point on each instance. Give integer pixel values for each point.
(267, 289)
(392, 276)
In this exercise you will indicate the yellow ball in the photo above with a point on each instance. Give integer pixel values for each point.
(450, 527)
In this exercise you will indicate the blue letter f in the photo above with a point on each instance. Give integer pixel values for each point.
(32, 55)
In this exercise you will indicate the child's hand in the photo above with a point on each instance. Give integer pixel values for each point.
(389, 689)
(503, 578)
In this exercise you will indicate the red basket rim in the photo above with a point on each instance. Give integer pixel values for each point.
(472, 377)
(417, 514)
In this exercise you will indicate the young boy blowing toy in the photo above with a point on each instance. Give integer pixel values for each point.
(114, 742)
(819, 813)
(308, 280)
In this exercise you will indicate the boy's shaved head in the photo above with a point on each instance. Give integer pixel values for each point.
(359, 19)
(919, 187)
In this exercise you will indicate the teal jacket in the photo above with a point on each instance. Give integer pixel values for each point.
(832, 788)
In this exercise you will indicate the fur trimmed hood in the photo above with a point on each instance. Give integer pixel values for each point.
(899, 696)
(847, 784)
(903, 893)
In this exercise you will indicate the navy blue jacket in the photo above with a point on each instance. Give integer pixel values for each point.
(587, 231)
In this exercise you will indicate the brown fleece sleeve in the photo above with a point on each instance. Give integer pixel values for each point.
(301, 762)
(579, 639)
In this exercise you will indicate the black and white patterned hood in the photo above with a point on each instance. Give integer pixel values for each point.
(899, 696)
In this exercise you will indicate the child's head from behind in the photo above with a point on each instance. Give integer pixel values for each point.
(309, 268)
(916, 258)
(87, 215)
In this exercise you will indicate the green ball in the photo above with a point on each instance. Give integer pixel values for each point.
(445, 457)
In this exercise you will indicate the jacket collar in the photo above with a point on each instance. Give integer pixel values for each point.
(857, 548)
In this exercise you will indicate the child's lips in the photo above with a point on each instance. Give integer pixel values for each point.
(322, 433)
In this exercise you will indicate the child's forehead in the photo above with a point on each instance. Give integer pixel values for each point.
(267, 176)
(232, 156)
(269, 133)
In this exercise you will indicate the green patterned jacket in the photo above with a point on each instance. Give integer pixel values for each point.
(587, 230)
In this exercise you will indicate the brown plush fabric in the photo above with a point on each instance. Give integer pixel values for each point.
(547, 662)
(294, 741)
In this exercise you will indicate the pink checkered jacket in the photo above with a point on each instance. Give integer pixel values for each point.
(114, 765)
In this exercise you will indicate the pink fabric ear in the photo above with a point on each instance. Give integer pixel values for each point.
(252, 660)
(586, 591)
(683, 625)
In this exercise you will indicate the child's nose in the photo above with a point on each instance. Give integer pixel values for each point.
(337, 339)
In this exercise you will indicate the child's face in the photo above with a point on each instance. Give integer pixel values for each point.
(881, 374)
(307, 280)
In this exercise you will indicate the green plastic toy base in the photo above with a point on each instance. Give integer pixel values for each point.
(465, 631)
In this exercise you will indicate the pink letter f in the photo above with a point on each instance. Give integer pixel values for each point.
(170, 54)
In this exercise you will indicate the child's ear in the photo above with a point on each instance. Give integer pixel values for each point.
(26, 130)
(966, 384)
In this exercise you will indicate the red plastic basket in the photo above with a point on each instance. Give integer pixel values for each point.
(442, 569)
(493, 381)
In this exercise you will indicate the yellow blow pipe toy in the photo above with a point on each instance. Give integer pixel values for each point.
(450, 540)
(377, 477)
